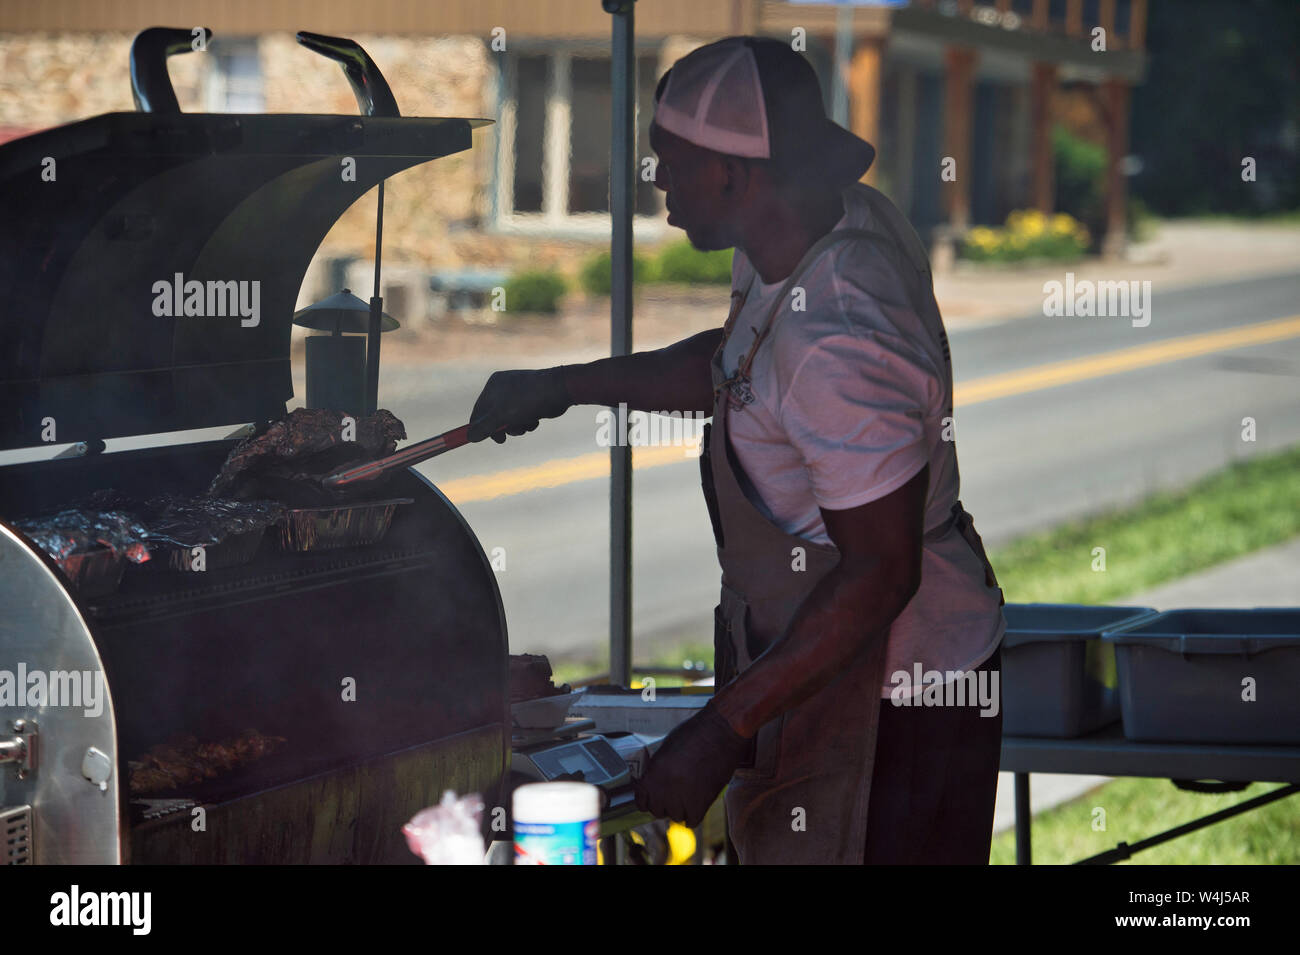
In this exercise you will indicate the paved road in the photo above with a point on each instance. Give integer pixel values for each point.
(1038, 454)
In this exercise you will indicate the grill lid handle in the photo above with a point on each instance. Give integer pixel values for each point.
(21, 747)
(151, 87)
(368, 85)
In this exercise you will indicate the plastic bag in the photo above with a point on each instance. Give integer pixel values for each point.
(448, 833)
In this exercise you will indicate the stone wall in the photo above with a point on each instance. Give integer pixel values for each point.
(51, 78)
(435, 214)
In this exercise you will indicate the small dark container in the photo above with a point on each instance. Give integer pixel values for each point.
(1058, 677)
(1211, 676)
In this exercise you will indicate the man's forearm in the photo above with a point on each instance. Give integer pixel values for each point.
(832, 627)
(675, 378)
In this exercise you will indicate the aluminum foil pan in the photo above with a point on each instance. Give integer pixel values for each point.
(94, 573)
(90, 546)
(230, 551)
(345, 525)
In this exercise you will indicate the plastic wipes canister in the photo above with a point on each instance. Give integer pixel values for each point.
(556, 824)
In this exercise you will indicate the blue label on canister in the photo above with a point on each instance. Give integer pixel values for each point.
(562, 843)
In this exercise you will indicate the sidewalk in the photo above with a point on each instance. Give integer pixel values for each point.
(1267, 578)
(1179, 254)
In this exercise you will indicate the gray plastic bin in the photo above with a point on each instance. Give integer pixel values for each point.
(1211, 676)
(1058, 677)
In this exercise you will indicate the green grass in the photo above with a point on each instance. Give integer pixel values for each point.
(566, 671)
(1245, 507)
(1136, 809)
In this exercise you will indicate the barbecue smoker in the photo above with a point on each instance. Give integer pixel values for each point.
(96, 213)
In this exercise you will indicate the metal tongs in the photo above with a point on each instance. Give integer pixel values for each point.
(414, 454)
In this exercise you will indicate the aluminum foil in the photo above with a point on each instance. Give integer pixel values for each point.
(188, 521)
(77, 530)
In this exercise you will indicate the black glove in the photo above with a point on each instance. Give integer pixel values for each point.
(514, 402)
(692, 765)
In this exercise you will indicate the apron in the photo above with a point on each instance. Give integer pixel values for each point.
(802, 796)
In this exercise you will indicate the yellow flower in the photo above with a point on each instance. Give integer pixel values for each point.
(1063, 224)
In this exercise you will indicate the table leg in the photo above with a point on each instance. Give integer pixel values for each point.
(1024, 818)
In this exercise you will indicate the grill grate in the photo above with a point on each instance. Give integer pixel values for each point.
(16, 835)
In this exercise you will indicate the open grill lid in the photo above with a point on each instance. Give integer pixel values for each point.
(98, 212)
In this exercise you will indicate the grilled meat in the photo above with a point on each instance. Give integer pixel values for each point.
(185, 761)
(307, 445)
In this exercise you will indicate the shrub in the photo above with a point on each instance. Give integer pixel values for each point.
(1081, 186)
(596, 277)
(682, 262)
(1028, 234)
(535, 291)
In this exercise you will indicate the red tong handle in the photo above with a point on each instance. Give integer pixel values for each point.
(414, 454)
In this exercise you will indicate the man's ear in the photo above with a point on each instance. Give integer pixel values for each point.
(737, 176)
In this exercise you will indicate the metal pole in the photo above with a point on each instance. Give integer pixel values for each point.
(843, 55)
(1024, 821)
(622, 170)
(376, 316)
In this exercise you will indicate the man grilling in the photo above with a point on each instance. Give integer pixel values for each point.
(831, 478)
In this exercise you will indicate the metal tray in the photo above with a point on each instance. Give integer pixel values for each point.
(232, 551)
(94, 573)
(305, 529)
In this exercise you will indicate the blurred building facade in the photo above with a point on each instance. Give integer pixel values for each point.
(933, 80)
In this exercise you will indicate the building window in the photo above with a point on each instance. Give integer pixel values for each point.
(233, 80)
(555, 139)
(532, 77)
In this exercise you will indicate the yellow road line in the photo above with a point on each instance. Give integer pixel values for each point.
(554, 473)
(596, 465)
(1124, 359)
